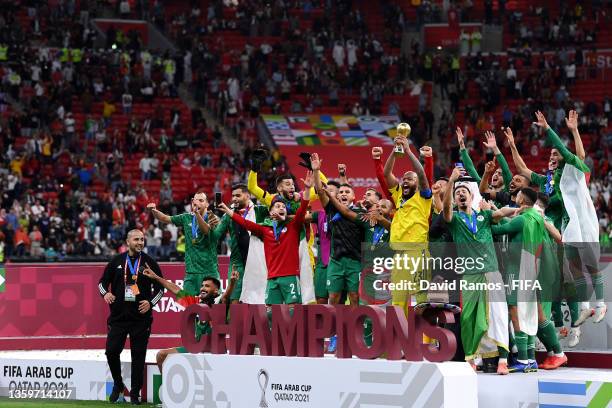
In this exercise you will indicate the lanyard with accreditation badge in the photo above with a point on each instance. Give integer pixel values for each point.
(131, 291)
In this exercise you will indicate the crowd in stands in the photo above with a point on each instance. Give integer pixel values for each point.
(73, 116)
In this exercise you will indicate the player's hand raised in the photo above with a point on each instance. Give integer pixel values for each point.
(426, 151)
(460, 137)
(377, 152)
(315, 162)
(541, 120)
(509, 136)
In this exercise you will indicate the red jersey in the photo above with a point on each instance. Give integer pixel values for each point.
(282, 253)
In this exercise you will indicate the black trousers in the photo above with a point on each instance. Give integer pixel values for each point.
(139, 331)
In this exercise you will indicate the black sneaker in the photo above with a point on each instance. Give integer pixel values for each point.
(134, 399)
(116, 393)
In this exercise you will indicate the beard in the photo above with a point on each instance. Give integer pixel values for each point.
(208, 299)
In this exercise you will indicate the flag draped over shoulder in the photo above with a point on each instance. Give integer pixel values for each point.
(255, 270)
(533, 240)
(582, 230)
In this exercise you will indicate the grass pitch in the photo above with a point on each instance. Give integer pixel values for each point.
(54, 403)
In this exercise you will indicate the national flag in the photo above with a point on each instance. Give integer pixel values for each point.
(345, 122)
(324, 119)
(533, 239)
(255, 269)
(2, 279)
(371, 126)
(582, 230)
(285, 141)
(308, 141)
(299, 122)
(352, 133)
(562, 394)
(324, 126)
(298, 119)
(301, 133)
(379, 137)
(273, 118)
(281, 132)
(356, 141)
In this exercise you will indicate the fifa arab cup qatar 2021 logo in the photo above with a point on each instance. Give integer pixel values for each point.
(262, 379)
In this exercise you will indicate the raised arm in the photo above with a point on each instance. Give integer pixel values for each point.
(158, 215)
(416, 165)
(572, 124)
(315, 163)
(484, 183)
(251, 226)
(202, 223)
(148, 272)
(380, 172)
(428, 163)
(491, 143)
(554, 139)
(436, 192)
(447, 202)
(342, 173)
(258, 192)
(388, 171)
(521, 167)
(231, 286)
(465, 156)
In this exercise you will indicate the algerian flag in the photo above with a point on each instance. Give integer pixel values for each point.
(533, 239)
(2, 279)
(255, 271)
(582, 230)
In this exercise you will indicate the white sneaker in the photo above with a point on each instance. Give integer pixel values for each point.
(600, 313)
(539, 345)
(574, 337)
(584, 314)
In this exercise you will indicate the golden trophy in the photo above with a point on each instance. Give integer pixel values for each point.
(403, 130)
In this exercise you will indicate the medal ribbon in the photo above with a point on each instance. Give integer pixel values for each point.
(378, 233)
(276, 233)
(471, 224)
(246, 212)
(194, 226)
(548, 187)
(132, 267)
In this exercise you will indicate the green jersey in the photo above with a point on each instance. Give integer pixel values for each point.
(474, 240)
(200, 248)
(239, 237)
(550, 183)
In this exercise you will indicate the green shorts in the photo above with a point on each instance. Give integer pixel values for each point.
(283, 290)
(343, 275)
(238, 287)
(320, 281)
(193, 281)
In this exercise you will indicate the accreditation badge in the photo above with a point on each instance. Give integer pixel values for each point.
(130, 296)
